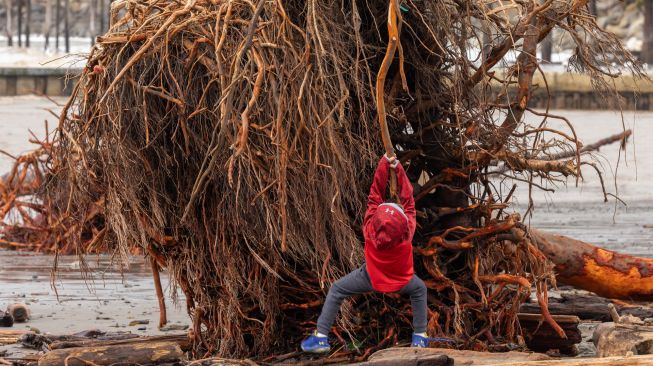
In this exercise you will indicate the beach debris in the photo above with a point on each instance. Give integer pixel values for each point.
(138, 322)
(35, 341)
(173, 327)
(604, 272)
(6, 320)
(11, 336)
(140, 354)
(625, 336)
(540, 337)
(587, 306)
(20, 312)
(412, 356)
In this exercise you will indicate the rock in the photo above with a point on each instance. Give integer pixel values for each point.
(6, 320)
(138, 322)
(171, 327)
(617, 339)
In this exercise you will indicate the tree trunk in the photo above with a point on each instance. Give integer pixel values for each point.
(19, 14)
(10, 37)
(102, 13)
(28, 12)
(606, 273)
(647, 49)
(148, 353)
(57, 21)
(593, 9)
(66, 25)
(547, 48)
(92, 22)
(47, 24)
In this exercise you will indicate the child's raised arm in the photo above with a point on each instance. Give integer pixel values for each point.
(405, 191)
(377, 191)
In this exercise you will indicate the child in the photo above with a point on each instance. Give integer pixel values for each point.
(388, 229)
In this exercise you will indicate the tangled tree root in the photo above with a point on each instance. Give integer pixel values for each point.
(234, 140)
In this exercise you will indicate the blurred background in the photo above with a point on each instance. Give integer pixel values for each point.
(32, 31)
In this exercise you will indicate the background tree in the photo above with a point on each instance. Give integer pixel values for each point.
(647, 49)
(547, 48)
(92, 21)
(19, 14)
(10, 37)
(102, 11)
(57, 21)
(47, 24)
(593, 9)
(66, 25)
(28, 12)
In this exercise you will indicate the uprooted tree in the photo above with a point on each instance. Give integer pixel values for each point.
(234, 142)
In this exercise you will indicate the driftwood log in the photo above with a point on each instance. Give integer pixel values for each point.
(180, 339)
(604, 272)
(540, 337)
(399, 355)
(588, 307)
(11, 336)
(139, 353)
(609, 361)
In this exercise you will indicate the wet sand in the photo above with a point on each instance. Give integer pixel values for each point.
(107, 298)
(579, 211)
(116, 299)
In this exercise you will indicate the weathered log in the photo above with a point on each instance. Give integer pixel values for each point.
(180, 339)
(541, 337)
(11, 336)
(604, 272)
(412, 356)
(608, 361)
(614, 339)
(587, 307)
(140, 353)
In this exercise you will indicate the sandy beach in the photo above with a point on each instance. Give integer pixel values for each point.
(111, 298)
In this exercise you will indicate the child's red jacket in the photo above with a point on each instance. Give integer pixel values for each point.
(390, 268)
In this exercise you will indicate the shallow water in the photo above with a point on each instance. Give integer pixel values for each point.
(108, 297)
(625, 225)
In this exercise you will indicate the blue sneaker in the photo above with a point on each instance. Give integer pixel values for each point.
(423, 342)
(419, 341)
(315, 344)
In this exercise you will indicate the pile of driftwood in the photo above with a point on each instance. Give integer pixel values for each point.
(233, 142)
(626, 341)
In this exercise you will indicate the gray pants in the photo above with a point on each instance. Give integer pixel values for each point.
(358, 282)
